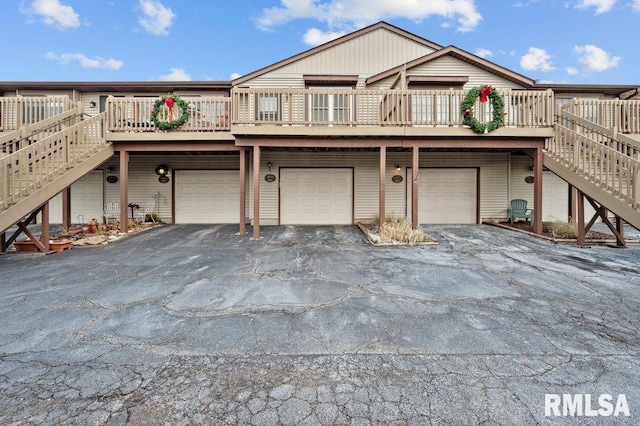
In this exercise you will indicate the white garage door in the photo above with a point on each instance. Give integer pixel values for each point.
(555, 198)
(316, 196)
(445, 196)
(207, 196)
(86, 200)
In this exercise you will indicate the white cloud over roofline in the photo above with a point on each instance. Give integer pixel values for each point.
(315, 37)
(353, 14)
(536, 59)
(595, 58)
(156, 18)
(176, 74)
(85, 61)
(55, 14)
(484, 53)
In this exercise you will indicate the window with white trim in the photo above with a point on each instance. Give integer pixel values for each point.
(268, 107)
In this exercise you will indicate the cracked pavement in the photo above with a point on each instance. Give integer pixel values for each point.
(193, 324)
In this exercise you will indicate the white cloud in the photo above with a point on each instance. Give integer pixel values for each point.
(156, 17)
(55, 14)
(636, 5)
(484, 53)
(176, 74)
(602, 6)
(235, 75)
(536, 59)
(349, 14)
(571, 71)
(314, 36)
(595, 58)
(85, 61)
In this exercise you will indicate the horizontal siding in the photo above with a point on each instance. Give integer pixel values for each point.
(366, 55)
(520, 165)
(365, 178)
(493, 178)
(448, 66)
(143, 181)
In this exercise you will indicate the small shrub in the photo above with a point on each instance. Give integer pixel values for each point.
(560, 229)
(399, 229)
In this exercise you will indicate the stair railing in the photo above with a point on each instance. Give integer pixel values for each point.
(31, 167)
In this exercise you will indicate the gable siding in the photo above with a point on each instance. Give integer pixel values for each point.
(366, 55)
(448, 66)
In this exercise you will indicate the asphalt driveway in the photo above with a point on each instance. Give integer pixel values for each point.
(312, 325)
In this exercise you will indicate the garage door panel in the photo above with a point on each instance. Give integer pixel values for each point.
(316, 196)
(207, 196)
(446, 196)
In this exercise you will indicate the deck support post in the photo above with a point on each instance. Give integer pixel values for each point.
(601, 212)
(243, 191)
(43, 243)
(382, 191)
(124, 191)
(66, 209)
(537, 189)
(580, 222)
(256, 192)
(45, 233)
(415, 164)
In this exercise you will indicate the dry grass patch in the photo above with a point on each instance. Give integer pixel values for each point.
(398, 230)
(560, 229)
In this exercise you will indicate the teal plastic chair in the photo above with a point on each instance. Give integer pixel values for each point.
(519, 209)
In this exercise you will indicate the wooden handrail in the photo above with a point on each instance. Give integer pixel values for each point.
(32, 166)
(613, 168)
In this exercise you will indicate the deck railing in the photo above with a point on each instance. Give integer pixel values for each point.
(134, 114)
(624, 115)
(345, 107)
(19, 111)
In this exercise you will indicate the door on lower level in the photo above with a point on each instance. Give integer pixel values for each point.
(446, 195)
(207, 196)
(321, 196)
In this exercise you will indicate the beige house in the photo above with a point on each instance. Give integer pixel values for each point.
(372, 124)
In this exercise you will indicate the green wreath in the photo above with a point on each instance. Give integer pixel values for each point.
(169, 101)
(497, 102)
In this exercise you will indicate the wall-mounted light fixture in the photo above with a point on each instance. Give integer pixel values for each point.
(269, 165)
(111, 169)
(398, 168)
(92, 104)
(162, 170)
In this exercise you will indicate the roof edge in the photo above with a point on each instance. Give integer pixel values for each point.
(335, 42)
(461, 55)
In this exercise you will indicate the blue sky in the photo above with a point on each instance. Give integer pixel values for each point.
(581, 41)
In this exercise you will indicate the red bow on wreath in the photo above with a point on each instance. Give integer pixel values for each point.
(485, 92)
(170, 102)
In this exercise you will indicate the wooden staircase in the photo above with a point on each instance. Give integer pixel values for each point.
(36, 165)
(600, 163)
